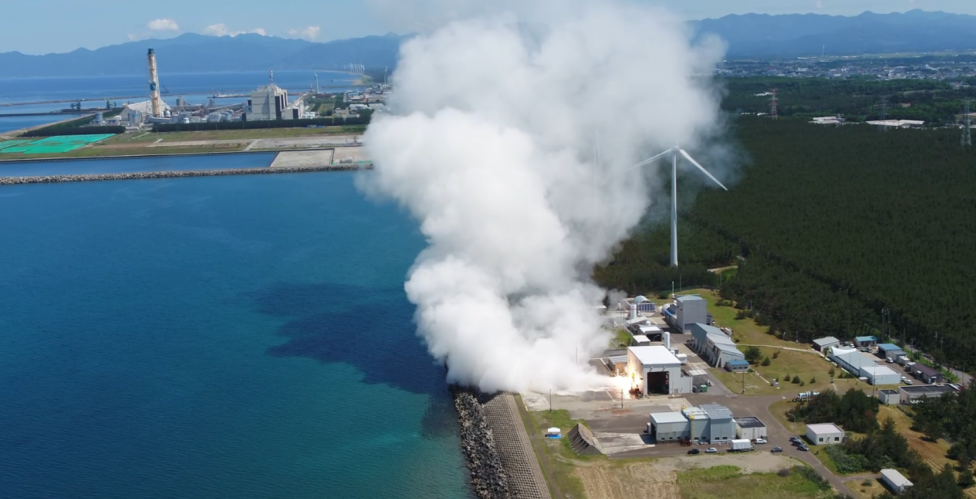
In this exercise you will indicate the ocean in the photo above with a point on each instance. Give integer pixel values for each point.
(232, 337)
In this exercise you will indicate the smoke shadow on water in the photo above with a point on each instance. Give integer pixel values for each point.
(371, 329)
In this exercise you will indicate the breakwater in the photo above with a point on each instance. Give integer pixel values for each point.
(488, 477)
(55, 179)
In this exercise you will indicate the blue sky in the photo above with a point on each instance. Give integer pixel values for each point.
(36, 27)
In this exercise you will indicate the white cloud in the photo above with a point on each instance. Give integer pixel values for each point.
(163, 25)
(221, 29)
(310, 33)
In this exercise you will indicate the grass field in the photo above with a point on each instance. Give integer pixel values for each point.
(723, 482)
(874, 488)
(933, 453)
(557, 459)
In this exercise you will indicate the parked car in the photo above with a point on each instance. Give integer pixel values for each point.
(907, 381)
(803, 447)
(777, 449)
(711, 450)
(760, 440)
(694, 451)
(796, 440)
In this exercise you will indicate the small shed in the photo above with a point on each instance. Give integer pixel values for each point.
(640, 340)
(669, 426)
(737, 365)
(822, 344)
(888, 397)
(865, 341)
(895, 480)
(912, 394)
(750, 428)
(824, 434)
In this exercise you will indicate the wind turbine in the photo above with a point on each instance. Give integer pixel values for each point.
(674, 152)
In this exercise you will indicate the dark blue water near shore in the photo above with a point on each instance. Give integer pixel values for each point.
(238, 337)
(128, 165)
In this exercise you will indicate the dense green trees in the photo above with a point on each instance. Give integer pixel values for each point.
(854, 411)
(953, 415)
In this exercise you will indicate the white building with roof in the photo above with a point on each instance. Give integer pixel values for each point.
(895, 480)
(689, 310)
(714, 346)
(880, 375)
(750, 428)
(669, 426)
(656, 370)
(822, 344)
(271, 103)
(824, 434)
(136, 113)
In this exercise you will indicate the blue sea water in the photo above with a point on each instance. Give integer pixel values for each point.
(127, 165)
(233, 337)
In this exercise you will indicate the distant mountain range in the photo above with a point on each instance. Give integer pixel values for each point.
(760, 35)
(193, 53)
(748, 36)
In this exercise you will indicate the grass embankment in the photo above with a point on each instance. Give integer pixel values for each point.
(621, 338)
(556, 457)
(722, 482)
(265, 133)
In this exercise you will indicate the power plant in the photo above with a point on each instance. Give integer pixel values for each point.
(154, 84)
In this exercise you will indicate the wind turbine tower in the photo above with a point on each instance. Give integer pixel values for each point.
(674, 152)
(154, 84)
(967, 137)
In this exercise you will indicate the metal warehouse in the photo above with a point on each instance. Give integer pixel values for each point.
(822, 344)
(749, 428)
(895, 480)
(687, 311)
(721, 426)
(927, 374)
(880, 375)
(824, 434)
(911, 394)
(888, 397)
(714, 346)
(669, 426)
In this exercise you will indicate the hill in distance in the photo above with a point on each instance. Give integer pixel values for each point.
(747, 36)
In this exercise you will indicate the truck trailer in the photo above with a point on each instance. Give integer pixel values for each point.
(741, 445)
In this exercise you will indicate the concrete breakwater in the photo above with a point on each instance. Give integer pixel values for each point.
(488, 477)
(54, 179)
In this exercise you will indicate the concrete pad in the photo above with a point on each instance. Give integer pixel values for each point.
(302, 159)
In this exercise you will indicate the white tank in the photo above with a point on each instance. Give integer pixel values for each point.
(633, 311)
(667, 340)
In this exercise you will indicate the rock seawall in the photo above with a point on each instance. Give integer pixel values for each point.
(488, 477)
(97, 177)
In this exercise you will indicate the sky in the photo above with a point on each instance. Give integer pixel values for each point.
(34, 27)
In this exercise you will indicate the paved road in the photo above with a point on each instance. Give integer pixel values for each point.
(964, 378)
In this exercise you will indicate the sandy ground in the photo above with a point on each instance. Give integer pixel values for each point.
(311, 141)
(354, 154)
(658, 479)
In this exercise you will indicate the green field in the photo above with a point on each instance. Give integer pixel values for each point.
(722, 482)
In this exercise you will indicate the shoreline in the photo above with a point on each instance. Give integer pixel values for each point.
(57, 179)
(4, 161)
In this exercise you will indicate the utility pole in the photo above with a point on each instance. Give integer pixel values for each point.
(967, 138)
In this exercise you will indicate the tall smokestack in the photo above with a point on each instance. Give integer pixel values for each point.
(154, 84)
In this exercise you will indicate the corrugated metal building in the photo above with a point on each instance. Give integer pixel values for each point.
(721, 426)
(888, 397)
(657, 370)
(669, 426)
(911, 394)
(895, 480)
(737, 366)
(865, 341)
(714, 346)
(927, 374)
(822, 344)
(689, 310)
(880, 375)
(824, 434)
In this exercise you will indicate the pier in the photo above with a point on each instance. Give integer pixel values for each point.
(98, 177)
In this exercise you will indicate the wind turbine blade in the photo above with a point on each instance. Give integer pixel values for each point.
(650, 160)
(702, 168)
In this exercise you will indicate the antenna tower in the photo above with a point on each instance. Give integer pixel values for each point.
(967, 137)
(884, 112)
(774, 111)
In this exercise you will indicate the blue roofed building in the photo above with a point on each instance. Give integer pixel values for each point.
(737, 366)
(865, 341)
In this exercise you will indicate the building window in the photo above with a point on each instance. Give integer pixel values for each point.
(821, 439)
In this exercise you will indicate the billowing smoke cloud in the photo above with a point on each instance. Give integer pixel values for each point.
(512, 150)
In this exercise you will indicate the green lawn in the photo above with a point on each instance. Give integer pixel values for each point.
(556, 457)
(721, 482)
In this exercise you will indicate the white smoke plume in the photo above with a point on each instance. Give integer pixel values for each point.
(512, 150)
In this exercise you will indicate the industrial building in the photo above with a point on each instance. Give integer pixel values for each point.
(927, 374)
(895, 481)
(656, 370)
(889, 351)
(865, 341)
(271, 103)
(750, 428)
(822, 344)
(686, 311)
(824, 434)
(710, 423)
(912, 394)
(861, 365)
(714, 346)
(880, 375)
(897, 123)
(888, 397)
(137, 113)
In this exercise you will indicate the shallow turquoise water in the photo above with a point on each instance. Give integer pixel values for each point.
(239, 337)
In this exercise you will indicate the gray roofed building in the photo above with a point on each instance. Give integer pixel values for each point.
(824, 343)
